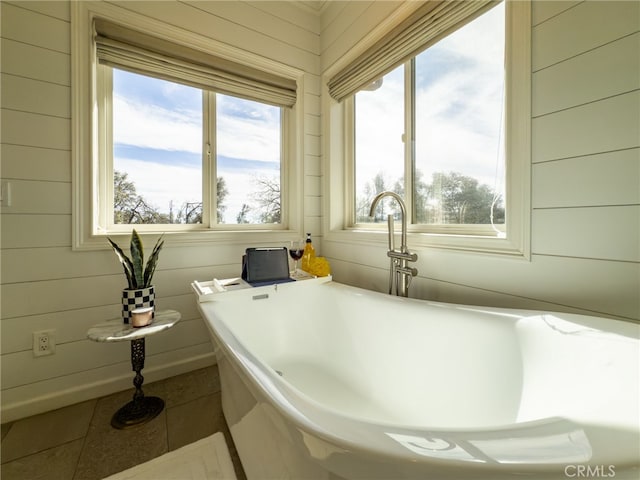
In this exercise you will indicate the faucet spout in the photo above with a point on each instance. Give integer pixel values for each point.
(403, 215)
(399, 272)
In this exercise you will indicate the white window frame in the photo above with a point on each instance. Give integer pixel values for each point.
(339, 123)
(92, 164)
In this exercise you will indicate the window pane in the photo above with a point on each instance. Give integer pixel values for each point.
(157, 150)
(248, 161)
(459, 165)
(379, 149)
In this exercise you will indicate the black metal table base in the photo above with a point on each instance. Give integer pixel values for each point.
(141, 409)
(137, 412)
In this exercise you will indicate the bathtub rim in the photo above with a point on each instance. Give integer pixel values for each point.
(249, 366)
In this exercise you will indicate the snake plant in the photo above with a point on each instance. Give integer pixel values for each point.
(138, 275)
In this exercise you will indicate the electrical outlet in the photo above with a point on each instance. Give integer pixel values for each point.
(44, 343)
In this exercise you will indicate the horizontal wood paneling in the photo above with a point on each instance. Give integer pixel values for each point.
(584, 27)
(53, 8)
(612, 123)
(39, 197)
(312, 145)
(313, 88)
(251, 16)
(313, 165)
(33, 163)
(341, 17)
(590, 285)
(39, 297)
(53, 263)
(603, 179)
(312, 206)
(354, 21)
(312, 185)
(36, 96)
(52, 132)
(35, 264)
(331, 12)
(72, 325)
(543, 11)
(34, 62)
(27, 231)
(312, 224)
(61, 391)
(613, 233)
(226, 31)
(35, 28)
(32, 298)
(612, 69)
(312, 124)
(311, 104)
(292, 13)
(22, 368)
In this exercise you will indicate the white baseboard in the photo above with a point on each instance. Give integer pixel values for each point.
(52, 400)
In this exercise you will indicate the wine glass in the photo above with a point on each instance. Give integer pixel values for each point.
(296, 249)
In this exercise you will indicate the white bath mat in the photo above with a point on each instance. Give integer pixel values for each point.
(206, 459)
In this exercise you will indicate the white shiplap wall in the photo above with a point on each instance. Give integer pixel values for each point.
(585, 170)
(585, 174)
(46, 285)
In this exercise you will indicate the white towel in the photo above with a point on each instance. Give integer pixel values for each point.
(206, 459)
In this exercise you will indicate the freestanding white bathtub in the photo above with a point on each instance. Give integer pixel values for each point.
(326, 381)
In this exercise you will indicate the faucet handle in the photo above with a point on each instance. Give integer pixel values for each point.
(407, 271)
(411, 257)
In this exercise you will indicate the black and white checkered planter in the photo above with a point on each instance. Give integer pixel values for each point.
(132, 299)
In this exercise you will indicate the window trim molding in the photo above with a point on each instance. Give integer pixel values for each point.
(84, 132)
(339, 171)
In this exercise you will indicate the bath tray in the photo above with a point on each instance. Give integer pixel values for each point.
(215, 286)
(207, 291)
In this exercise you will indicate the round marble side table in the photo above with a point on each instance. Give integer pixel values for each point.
(141, 409)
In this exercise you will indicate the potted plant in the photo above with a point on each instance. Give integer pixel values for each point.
(140, 293)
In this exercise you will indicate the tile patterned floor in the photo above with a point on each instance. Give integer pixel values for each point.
(78, 442)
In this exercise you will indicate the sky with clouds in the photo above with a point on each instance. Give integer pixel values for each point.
(458, 110)
(158, 141)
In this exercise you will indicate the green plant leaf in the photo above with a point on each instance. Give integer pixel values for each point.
(137, 258)
(152, 262)
(127, 265)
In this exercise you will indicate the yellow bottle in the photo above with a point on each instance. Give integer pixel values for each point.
(308, 254)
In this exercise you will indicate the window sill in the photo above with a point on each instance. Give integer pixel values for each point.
(419, 240)
(191, 238)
